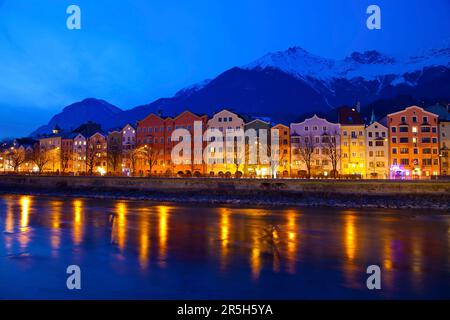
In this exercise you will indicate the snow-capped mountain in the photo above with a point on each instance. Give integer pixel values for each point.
(369, 65)
(285, 85)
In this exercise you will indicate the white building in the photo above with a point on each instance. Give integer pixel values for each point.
(377, 151)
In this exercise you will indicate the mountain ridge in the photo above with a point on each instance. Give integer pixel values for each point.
(284, 84)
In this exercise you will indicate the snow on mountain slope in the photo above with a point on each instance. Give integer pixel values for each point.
(369, 65)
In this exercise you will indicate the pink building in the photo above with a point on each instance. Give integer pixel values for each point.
(322, 136)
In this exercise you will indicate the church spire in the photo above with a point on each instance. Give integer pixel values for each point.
(372, 117)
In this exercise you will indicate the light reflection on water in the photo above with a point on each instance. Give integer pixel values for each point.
(143, 250)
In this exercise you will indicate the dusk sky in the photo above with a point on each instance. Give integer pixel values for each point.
(132, 52)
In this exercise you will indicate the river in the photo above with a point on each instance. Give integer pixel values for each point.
(148, 250)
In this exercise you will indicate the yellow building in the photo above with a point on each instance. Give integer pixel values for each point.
(353, 142)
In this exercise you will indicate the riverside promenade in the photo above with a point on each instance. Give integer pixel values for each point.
(421, 194)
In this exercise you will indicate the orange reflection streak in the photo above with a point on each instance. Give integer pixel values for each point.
(77, 221)
(144, 241)
(388, 259)
(56, 207)
(121, 224)
(25, 204)
(350, 249)
(350, 237)
(255, 256)
(224, 237)
(292, 244)
(163, 232)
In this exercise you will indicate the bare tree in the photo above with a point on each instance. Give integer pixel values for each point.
(135, 155)
(151, 157)
(115, 157)
(66, 156)
(90, 159)
(333, 151)
(17, 158)
(40, 158)
(306, 151)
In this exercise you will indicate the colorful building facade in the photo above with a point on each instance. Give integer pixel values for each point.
(315, 143)
(414, 147)
(283, 166)
(377, 151)
(353, 144)
(230, 127)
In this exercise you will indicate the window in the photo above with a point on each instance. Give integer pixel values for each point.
(404, 140)
(403, 119)
(414, 129)
(394, 150)
(404, 162)
(426, 151)
(394, 129)
(426, 162)
(229, 119)
(370, 134)
(404, 150)
(425, 129)
(394, 140)
(414, 119)
(379, 153)
(379, 143)
(404, 129)
(425, 119)
(426, 140)
(306, 128)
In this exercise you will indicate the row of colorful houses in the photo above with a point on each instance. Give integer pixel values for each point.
(410, 144)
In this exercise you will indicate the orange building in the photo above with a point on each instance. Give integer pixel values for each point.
(154, 140)
(154, 145)
(414, 143)
(284, 154)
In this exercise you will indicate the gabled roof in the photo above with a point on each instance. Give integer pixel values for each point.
(414, 107)
(128, 125)
(258, 120)
(377, 123)
(190, 112)
(349, 116)
(316, 117)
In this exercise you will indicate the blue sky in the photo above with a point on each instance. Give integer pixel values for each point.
(132, 52)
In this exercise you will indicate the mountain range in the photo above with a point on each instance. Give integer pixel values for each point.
(286, 85)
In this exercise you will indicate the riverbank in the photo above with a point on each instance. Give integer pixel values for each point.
(248, 192)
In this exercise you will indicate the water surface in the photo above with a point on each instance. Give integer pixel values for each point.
(143, 250)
